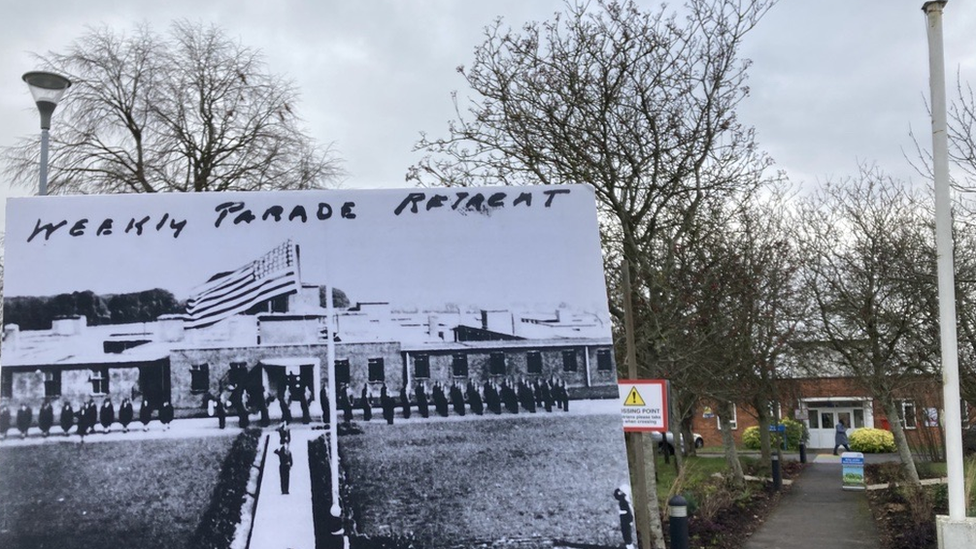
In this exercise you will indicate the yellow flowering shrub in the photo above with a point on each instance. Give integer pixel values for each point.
(872, 441)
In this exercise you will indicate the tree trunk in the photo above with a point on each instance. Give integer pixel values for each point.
(765, 457)
(901, 441)
(647, 510)
(728, 443)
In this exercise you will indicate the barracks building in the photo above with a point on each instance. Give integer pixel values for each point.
(223, 342)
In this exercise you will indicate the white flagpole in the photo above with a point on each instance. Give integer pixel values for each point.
(943, 242)
(336, 510)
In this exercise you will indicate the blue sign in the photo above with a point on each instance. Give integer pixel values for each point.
(853, 470)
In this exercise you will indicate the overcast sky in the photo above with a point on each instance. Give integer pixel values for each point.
(834, 82)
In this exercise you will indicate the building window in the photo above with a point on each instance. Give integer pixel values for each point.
(6, 383)
(459, 365)
(734, 424)
(534, 362)
(604, 362)
(376, 370)
(52, 383)
(237, 374)
(421, 367)
(496, 364)
(199, 378)
(99, 381)
(907, 415)
(342, 370)
(814, 416)
(569, 360)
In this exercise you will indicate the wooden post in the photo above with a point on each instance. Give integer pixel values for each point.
(645, 501)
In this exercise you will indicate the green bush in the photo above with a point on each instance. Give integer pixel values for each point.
(794, 434)
(872, 441)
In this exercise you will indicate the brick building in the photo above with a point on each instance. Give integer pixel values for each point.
(826, 400)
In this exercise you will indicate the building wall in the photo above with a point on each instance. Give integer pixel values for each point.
(359, 354)
(517, 365)
(923, 395)
(219, 360)
(76, 386)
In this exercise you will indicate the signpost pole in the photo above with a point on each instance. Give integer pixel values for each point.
(643, 502)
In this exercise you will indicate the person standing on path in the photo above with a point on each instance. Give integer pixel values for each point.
(626, 513)
(45, 417)
(145, 414)
(24, 417)
(67, 416)
(284, 466)
(840, 438)
(125, 414)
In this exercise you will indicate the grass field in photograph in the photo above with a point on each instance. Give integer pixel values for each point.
(545, 477)
(144, 494)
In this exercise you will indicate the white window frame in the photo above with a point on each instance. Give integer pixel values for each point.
(902, 405)
(735, 419)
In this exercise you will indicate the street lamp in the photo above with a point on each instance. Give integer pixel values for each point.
(47, 88)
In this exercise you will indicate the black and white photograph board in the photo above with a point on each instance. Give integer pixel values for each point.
(385, 368)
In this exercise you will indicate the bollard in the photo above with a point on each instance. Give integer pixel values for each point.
(777, 476)
(803, 453)
(678, 525)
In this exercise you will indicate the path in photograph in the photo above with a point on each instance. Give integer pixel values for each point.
(542, 477)
(283, 521)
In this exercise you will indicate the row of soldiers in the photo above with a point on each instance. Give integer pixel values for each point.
(86, 419)
(243, 401)
(491, 396)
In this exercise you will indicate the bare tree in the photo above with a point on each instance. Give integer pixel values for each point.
(191, 111)
(640, 104)
(637, 104)
(870, 272)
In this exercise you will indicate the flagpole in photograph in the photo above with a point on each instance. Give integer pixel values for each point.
(943, 242)
(333, 432)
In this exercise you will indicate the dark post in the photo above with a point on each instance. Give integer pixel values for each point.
(777, 477)
(803, 453)
(678, 525)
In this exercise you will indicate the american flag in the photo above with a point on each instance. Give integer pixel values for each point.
(226, 294)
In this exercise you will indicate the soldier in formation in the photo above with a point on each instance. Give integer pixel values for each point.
(45, 417)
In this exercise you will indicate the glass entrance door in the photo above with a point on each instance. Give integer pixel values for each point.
(823, 422)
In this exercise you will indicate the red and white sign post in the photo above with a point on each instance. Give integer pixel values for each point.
(644, 405)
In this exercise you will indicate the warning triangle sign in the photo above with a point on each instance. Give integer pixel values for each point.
(634, 398)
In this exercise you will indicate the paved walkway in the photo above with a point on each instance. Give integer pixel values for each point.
(818, 513)
(284, 521)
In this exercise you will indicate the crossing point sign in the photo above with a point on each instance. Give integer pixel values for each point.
(644, 404)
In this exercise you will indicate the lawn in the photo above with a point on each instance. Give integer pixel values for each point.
(143, 494)
(698, 470)
(546, 478)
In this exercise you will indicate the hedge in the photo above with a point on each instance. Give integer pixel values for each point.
(216, 528)
(872, 441)
(794, 433)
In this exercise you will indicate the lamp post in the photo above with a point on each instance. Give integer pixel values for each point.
(47, 88)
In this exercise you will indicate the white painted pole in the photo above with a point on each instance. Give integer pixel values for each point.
(943, 242)
(335, 511)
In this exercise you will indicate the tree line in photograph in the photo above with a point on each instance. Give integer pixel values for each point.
(37, 312)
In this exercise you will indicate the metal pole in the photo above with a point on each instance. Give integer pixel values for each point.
(678, 524)
(777, 474)
(336, 510)
(42, 186)
(943, 242)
